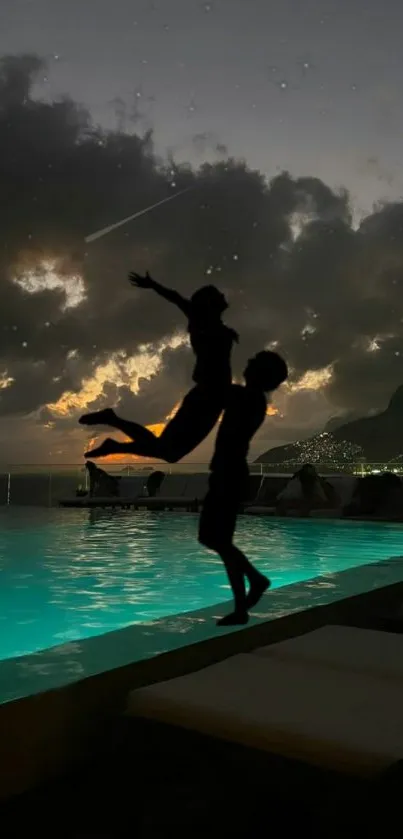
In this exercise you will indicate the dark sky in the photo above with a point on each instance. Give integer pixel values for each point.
(340, 62)
(313, 88)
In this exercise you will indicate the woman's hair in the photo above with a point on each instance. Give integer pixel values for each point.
(209, 298)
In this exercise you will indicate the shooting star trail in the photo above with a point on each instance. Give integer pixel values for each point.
(97, 235)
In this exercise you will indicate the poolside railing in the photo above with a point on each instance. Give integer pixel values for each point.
(44, 485)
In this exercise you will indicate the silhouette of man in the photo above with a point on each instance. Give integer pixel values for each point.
(244, 414)
(212, 343)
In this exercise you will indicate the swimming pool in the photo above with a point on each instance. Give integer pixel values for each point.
(71, 574)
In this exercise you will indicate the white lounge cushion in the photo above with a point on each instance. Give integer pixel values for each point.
(363, 651)
(325, 717)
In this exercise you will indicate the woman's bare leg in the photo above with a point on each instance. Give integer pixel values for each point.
(109, 417)
(109, 446)
(191, 424)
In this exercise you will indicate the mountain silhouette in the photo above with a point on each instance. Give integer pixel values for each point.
(377, 439)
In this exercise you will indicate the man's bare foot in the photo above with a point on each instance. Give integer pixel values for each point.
(107, 447)
(105, 417)
(257, 591)
(237, 618)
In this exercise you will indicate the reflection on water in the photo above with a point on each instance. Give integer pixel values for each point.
(70, 574)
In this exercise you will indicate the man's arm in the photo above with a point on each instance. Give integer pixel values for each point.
(167, 293)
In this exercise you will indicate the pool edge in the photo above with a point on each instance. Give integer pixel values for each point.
(43, 735)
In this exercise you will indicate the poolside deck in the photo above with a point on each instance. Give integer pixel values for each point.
(158, 785)
(151, 780)
(188, 786)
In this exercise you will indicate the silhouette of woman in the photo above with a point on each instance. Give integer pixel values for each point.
(212, 343)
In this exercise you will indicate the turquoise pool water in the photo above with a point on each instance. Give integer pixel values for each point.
(69, 574)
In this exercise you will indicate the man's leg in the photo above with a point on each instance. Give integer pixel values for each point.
(216, 529)
(229, 556)
(216, 532)
(238, 569)
(258, 583)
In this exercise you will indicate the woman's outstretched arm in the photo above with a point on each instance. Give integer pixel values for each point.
(167, 293)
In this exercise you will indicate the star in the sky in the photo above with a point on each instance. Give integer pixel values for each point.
(191, 107)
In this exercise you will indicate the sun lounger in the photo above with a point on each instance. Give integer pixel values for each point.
(260, 495)
(344, 486)
(326, 513)
(338, 716)
(269, 488)
(172, 494)
(174, 486)
(265, 501)
(98, 501)
(4, 488)
(361, 651)
(260, 511)
(197, 486)
(132, 486)
(130, 489)
(253, 489)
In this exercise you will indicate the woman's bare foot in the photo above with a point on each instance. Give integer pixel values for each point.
(237, 618)
(105, 417)
(257, 591)
(109, 446)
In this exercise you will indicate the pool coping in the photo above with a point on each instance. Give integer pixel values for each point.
(59, 666)
(45, 732)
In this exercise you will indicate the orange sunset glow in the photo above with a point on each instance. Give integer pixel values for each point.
(156, 428)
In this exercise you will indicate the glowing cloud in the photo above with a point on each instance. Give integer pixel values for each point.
(298, 221)
(121, 370)
(313, 379)
(5, 380)
(373, 345)
(45, 277)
